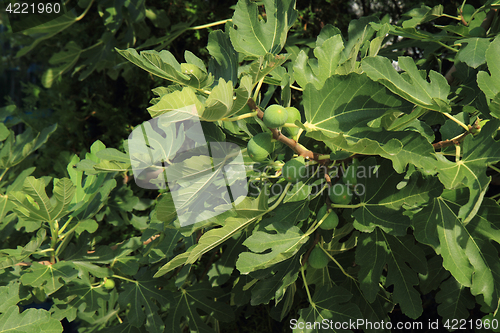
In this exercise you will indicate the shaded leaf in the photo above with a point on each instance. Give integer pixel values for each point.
(143, 296)
(378, 249)
(470, 170)
(66, 60)
(373, 312)
(454, 300)
(473, 53)
(224, 63)
(331, 304)
(275, 282)
(49, 277)
(47, 30)
(16, 149)
(10, 257)
(436, 273)
(191, 303)
(466, 250)
(78, 296)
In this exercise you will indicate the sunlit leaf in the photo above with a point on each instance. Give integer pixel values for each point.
(29, 321)
(410, 85)
(256, 37)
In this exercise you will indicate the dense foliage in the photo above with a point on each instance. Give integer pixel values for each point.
(377, 195)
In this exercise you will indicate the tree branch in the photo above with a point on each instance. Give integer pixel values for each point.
(294, 145)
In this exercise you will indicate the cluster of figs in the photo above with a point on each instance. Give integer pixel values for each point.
(261, 146)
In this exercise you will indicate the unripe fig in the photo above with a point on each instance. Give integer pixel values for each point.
(330, 222)
(350, 174)
(340, 194)
(467, 12)
(318, 259)
(259, 147)
(275, 116)
(293, 114)
(109, 284)
(294, 170)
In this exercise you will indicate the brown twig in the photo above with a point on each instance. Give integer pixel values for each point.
(463, 19)
(458, 139)
(294, 145)
(447, 143)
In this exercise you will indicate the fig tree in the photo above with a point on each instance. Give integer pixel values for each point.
(259, 147)
(330, 222)
(340, 194)
(293, 114)
(294, 170)
(275, 116)
(318, 259)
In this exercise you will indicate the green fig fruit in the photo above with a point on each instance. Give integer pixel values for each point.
(293, 114)
(340, 194)
(330, 222)
(467, 12)
(259, 147)
(109, 284)
(275, 116)
(349, 177)
(294, 170)
(318, 259)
